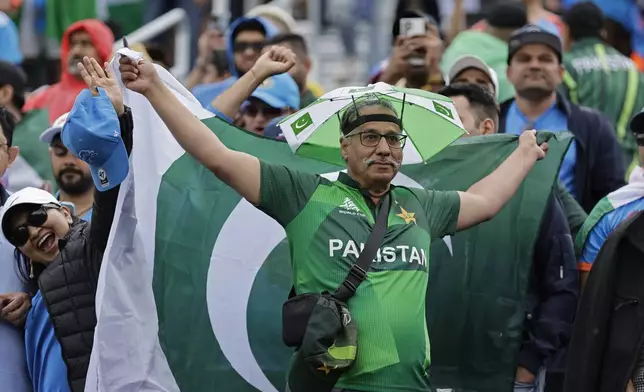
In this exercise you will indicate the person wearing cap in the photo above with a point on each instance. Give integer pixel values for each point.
(56, 251)
(471, 69)
(621, 204)
(599, 76)
(244, 43)
(263, 94)
(594, 164)
(607, 352)
(14, 299)
(489, 44)
(371, 143)
(553, 287)
(75, 185)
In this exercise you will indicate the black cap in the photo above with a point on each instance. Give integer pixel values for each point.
(637, 123)
(637, 127)
(533, 34)
(14, 76)
(508, 16)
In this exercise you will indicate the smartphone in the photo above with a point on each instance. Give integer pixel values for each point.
(410, 27)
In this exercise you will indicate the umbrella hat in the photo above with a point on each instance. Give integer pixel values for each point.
(429, 120)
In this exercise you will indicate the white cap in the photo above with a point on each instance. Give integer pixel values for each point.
(27, 195)
(274, 11)
(54, 130)
(470, 61)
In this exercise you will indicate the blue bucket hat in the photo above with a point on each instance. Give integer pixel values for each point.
(93, 134)
(279, 91)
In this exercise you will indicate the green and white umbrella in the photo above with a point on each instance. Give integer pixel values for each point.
(429, 120)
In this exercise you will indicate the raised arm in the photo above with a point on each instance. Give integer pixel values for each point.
(276, 60)
(485, 199)
(239, 170)
(105, 202)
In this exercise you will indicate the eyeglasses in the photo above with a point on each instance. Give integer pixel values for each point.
(240, 47)
(372, 139)
(267, 111)
(20, 235)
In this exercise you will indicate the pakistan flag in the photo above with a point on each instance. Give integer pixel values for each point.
(194, 277)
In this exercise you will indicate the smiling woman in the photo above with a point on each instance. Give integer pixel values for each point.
(59, 255)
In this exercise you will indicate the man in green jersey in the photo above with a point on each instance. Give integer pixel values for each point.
(599, 76)
(327, 222)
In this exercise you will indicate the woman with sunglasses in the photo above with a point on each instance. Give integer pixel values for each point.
(60, 256)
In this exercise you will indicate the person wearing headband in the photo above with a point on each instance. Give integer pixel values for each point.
(326, 221)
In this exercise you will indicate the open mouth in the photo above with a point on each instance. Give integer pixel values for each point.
(416, 61)
(47, 242)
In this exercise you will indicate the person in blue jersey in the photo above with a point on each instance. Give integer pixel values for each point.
(244, 43)
(75, 186)
(593, 166)
(613, 209)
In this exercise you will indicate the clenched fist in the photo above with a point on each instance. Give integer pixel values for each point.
(528, 142)
(276, 60)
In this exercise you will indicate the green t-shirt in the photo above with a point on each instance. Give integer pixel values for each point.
(327, 224)
(600, 77)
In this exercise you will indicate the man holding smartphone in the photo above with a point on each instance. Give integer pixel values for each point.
(416, 53)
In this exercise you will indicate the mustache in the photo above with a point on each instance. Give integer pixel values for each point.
(389, 161)
(71, 170)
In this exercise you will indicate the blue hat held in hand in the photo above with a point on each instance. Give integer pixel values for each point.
(93, 134)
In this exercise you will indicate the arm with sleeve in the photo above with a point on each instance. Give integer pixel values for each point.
(557, 291)
(105, 202)
(284, 192)
(442, 209)
(594, 242)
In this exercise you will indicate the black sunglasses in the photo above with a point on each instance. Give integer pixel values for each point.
(240, 47)
(20, 235)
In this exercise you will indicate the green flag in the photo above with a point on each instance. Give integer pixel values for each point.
(194, 278)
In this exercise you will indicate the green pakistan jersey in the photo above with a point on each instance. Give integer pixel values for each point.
(327, 224)
(600, 77)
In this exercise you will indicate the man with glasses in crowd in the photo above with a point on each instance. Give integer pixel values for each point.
(323, 240)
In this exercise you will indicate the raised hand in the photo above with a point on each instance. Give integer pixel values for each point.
(95, 76)
(528, 142)
(138, 76)
(276, 60)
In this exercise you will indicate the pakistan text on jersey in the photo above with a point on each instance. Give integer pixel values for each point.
(610, 62)
(387, 254)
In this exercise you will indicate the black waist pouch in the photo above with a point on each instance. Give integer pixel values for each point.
(296, 312)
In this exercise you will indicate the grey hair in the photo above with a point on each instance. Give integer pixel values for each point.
(366, 101)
